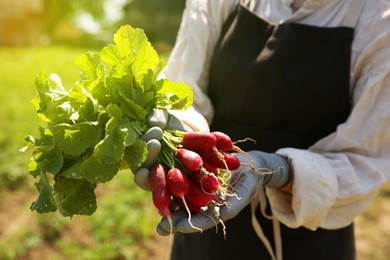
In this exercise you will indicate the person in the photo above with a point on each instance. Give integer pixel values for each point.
(310, 82)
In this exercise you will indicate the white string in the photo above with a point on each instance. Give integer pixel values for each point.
(259, 230)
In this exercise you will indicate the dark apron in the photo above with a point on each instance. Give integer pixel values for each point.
(284, 86)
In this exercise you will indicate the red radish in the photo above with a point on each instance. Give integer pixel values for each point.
(198, 197)
(196, 141)
(160, 191)
(179, 186)
(191, 207)
(220, 159)
(178, 182)
(190, 159)
(209, 182)
(232, 161)
(224, 142)
(209, 167)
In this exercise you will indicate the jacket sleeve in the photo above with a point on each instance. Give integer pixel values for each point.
(339, 176)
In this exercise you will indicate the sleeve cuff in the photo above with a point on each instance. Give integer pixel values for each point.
(313, 194)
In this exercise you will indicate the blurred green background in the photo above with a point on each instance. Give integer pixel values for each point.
(48, 35)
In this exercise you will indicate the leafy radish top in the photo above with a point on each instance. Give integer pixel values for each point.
(94, 127)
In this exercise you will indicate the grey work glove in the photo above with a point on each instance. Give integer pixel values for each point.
(157, 120)
(247, 184)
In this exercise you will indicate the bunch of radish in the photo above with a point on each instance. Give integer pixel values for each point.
(192, 170)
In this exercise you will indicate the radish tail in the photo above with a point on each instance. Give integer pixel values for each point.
(189, 215)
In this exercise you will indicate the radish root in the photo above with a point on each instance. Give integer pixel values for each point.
(189, 215)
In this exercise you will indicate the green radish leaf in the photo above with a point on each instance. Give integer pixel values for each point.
(95, 171)
(54, 102)
(75, 197)
(136, 154)
(110, 55)
(133, 110)
(110, 149)
(114, 110)
(45, 202)
(133, 44)
(133, 128)
(76, 139)
(45, 156)
(174, 95)
(94, 128)
(88, 64)
(73, 171)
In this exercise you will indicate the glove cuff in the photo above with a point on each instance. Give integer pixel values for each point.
(280, 175)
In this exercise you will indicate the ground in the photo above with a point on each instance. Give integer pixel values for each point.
(372, 229)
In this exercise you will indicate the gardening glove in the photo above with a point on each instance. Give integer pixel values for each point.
(157, 120)
(268, 169)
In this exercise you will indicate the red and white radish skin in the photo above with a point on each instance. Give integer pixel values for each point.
(196, 141)
(208, 181)
(219, 159)
(160, 191)
(223, 141)
(178, 182)
(190, 159)
(198, 196)
(179, 186)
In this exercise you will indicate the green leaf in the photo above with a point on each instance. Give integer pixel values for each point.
(76, 139)
(43, 87)
(45, 202)
(53, 161)
(84, 105)
(110, 149)
(133, 43)
(88, 63)
(174, 95)
(47, 158)
(75, 197)
(73, 171)
(95, 171)
(136, 154)
(133, 129)
(54, 102)
(114, 110)
(150, 78)
(111, 55)
(132, 110)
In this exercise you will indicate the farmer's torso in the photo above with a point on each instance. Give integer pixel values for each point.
(284, 86)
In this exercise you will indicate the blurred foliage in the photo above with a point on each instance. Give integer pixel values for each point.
(159, 19)
(59, 20)
(87, 22)
(58, 11)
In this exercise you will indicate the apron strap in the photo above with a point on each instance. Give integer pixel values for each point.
(355, 9)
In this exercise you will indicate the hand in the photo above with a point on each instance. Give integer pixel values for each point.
(267, 169)
(158, 120)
